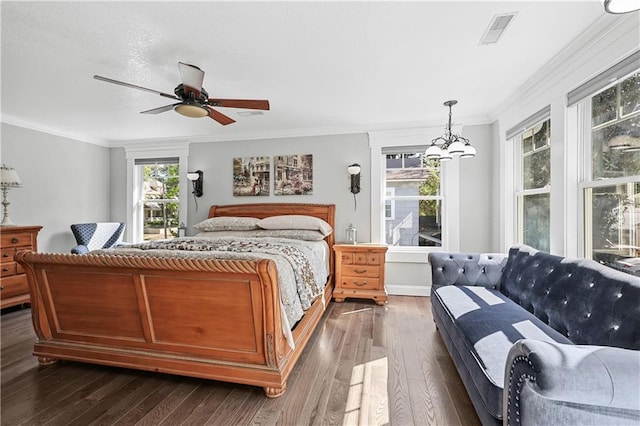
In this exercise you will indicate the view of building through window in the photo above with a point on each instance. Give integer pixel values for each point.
(160, 200)
(612, 210)
(413, 200)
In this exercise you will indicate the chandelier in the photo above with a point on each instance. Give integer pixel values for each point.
(443, 148)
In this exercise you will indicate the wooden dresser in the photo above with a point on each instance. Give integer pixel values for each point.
(360, 272)
(14, 289)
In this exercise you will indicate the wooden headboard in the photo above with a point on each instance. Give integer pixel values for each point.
(326, 212)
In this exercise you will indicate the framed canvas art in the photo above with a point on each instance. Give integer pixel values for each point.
(251, 176)
(293, 174)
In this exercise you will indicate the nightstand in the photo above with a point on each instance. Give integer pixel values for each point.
(360, 272)
(14, 289)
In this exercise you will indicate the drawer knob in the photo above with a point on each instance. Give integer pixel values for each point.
(360, 284)
(14, 240)
(1, 287)
(5, 255)
(5, 269)
(360, 271)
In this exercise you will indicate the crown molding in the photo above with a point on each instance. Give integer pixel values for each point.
(18, 122)
(140, 146)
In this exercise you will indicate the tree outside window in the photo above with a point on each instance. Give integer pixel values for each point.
(533, 197)
(612, 210)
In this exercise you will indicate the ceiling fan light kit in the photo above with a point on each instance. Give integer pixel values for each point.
(194, 100)
(191, 110)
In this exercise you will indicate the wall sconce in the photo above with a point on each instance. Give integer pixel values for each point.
(354, 173)
(196, 181)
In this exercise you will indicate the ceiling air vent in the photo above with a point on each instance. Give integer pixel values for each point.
(496, 27)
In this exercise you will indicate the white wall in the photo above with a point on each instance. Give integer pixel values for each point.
(64, 181)
(476, 191)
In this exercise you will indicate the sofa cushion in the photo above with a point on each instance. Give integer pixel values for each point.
(484, 324)
(587, 302)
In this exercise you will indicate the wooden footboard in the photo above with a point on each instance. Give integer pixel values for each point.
(214, 319)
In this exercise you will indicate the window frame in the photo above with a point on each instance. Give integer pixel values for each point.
(520, 192)
(135, 228)
(586, 180)
(414, 138)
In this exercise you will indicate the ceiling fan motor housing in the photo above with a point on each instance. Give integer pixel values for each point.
(190, 96)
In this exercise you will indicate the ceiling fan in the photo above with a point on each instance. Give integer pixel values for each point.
(194, 100)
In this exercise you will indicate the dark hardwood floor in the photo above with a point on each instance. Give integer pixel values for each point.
(365, 364)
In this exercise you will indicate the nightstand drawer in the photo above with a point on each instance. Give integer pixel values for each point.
(16, 239)
(362, 283)
(14, 286)
(8, 269)
(361, 271)
(347, 258)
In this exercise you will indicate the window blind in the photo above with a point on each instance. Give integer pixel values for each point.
(152, 161)
(539, 116)
(404, 149)
(621, 69)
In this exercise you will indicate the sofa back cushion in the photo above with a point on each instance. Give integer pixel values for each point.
(482, 269)
(581, 299)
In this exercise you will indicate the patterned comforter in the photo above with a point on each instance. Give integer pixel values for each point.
(302, 271)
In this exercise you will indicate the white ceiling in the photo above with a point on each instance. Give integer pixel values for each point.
(326, 67)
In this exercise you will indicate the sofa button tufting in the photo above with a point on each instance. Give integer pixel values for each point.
(591, 285)
(619, 295)
(588, 314)
(616, 327)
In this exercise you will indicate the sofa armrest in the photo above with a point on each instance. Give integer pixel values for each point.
(476, 269)
(80, 249)
(554, 383)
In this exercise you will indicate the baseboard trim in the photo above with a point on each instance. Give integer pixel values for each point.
(408, 290)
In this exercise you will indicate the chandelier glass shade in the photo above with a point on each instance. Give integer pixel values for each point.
(444, 148)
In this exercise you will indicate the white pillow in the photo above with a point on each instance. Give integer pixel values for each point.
(228, 223)
(293, 221)
(293, 234)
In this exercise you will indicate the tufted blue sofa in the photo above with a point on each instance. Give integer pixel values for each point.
(541, 339)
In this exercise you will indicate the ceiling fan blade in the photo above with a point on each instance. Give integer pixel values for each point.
(133, 86)
(192, 78)
(220, 117)
(240, 103)
(160, 109)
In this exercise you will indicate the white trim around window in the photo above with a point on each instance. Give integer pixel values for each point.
(420, 137)
(134, 181)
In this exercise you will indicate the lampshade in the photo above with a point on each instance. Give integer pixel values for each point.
(621, 6)
(469, 152)
(456, 147)
(9, 177)
(445, 156)
(433, 151)
(353, 169)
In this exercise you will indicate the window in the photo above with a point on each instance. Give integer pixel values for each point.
(611, 185)
(413, 199)
(533, 192)
(159, 197)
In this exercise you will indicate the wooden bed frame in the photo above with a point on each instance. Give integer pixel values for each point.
(214, 319)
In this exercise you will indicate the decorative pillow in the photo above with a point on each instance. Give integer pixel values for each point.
(294, 234)
(227, 223)
(293, 221)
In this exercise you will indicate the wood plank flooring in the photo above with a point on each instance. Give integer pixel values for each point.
(365, 365)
